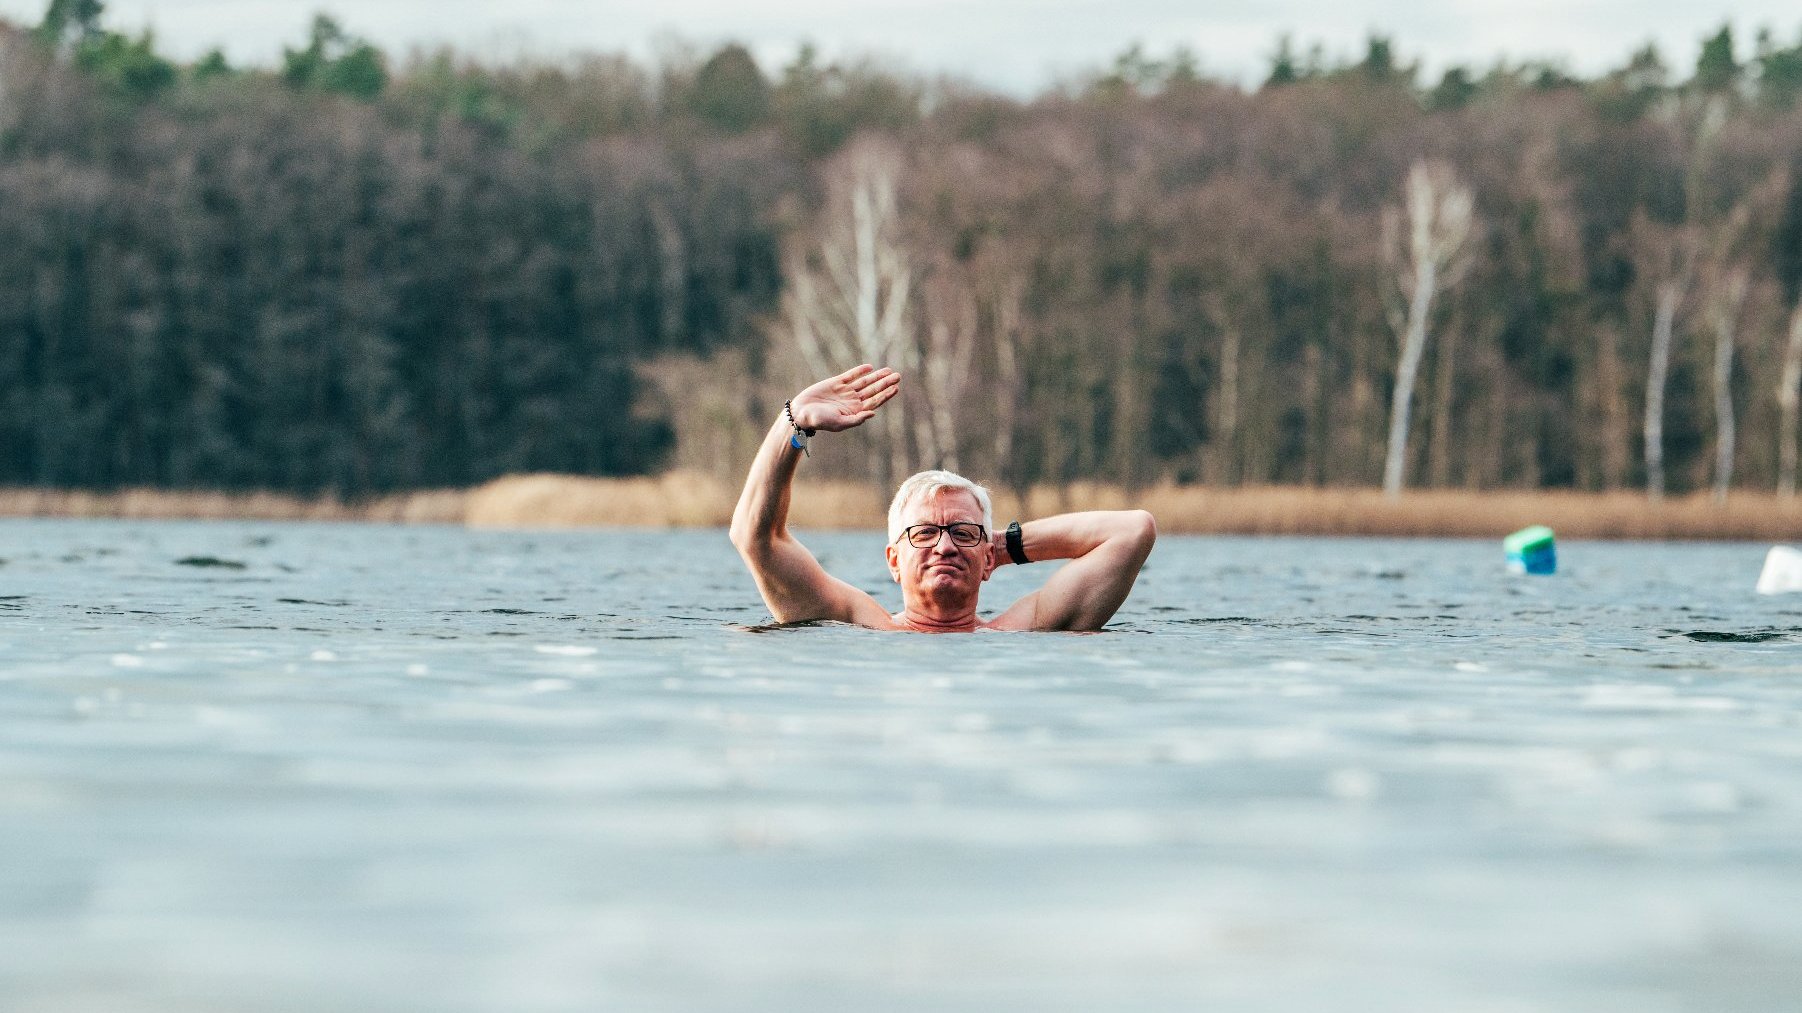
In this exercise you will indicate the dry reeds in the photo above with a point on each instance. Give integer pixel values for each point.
(682, 499)
(676, 499)
(436, 506)
(689, 499)
(1462, 513)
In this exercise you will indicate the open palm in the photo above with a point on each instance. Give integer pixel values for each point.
(849, 399)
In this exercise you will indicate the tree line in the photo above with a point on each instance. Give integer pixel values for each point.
(353, 274)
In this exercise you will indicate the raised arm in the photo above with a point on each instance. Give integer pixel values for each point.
(1106, 548)
(792, 582)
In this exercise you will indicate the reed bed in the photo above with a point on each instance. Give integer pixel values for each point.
(677, 499)
(690, 499)
(1462, 513)
(436, 506)
(685, 499)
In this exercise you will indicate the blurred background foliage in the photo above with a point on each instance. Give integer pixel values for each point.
(357, 274)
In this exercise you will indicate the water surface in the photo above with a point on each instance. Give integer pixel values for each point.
(298, 767)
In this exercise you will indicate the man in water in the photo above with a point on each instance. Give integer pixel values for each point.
(942, 538)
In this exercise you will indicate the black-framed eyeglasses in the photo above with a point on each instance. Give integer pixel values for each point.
(963, 533)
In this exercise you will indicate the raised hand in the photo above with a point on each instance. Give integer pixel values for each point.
(849, 399)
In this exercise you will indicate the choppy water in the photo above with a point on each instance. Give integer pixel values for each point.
(342, 767)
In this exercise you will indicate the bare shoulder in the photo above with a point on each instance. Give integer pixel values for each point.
(1020, 617)
(860, 608)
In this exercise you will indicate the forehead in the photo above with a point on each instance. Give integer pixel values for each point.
(942, 506)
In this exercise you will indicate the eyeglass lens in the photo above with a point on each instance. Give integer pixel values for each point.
(923, 536)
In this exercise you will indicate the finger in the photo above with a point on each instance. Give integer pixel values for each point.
(879, 380)
(876, 399)
(880, 398)
(854, 372)
(865, 378)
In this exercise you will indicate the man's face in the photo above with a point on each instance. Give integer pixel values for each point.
(943, 571)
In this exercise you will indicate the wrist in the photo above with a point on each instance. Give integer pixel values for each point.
(798, 434)
(798, 415)
(1015, 543)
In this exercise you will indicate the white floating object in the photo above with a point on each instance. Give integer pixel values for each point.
(1782, 571)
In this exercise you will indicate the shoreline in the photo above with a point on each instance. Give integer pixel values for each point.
(689, 500)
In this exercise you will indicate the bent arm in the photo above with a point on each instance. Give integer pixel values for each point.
(1106, 548)
(792, 582)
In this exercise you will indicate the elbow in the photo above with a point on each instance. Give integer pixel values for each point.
(750, 540)
(743, 536)
(742, 530)
(1143, 529)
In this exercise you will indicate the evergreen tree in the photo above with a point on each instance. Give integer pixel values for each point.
(1282, 65)
(1379, 65)
(67, 23)
(212, 65)
(131, 66)
(1454, 91)
(1779, 71)
(335, 62)
(1717, 70)
(730, 91)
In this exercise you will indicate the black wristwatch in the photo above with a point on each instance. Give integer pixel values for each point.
(1016, 549)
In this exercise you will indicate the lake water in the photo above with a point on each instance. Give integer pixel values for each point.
(256, 767)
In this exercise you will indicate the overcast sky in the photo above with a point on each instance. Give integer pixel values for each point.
(1016, 45)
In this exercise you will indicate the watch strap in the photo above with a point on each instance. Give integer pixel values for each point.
(1016, 546)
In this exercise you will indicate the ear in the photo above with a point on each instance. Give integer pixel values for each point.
(988, 566)
(894, 562)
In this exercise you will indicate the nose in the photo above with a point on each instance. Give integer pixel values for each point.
(943, 545)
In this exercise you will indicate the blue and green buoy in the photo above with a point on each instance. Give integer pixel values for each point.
(1531, 550)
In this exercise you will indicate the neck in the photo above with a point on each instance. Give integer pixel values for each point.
(931, 617)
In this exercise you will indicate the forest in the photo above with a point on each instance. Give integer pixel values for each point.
(355, 273)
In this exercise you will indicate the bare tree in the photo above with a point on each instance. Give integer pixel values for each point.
(1724, 308)
(1225, 438)
(672, 272)
(1667, 258)
(12, 46)
(1670, 254)
(1439, 211)
(1789, 396)
(848, 297)
(1010, 297)
(945, 365)
(968, 368)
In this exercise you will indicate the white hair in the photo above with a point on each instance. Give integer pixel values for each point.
(930, 483)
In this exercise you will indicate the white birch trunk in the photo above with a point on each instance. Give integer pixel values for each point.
(1414, 346)
(1007, 377)
(1439, 215)
(1726, 319)
(853, 306)
(1226, 395)
(1789, 397)
(1664, 325)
